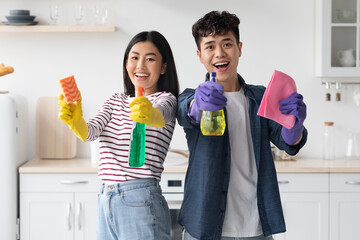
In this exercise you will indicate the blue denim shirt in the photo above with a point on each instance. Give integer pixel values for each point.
(207, 178)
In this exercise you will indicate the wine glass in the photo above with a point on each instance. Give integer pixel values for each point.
(54, 13)
(104, 15)
(79, 14)
(101, 14)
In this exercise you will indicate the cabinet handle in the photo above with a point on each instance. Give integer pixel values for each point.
(353, 182)
(69, 215)
(284, 182)
(73, 182)
(79, 215)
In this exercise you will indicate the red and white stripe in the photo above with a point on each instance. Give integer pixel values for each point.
(113, 126)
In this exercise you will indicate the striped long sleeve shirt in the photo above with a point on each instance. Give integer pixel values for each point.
(113, 127)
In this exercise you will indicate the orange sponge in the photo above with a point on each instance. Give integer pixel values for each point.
(69, 89)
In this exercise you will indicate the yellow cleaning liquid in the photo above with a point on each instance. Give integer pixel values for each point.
(213, 122)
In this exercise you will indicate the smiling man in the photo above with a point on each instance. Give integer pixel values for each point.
(231, 190)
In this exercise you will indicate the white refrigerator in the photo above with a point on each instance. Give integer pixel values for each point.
(13, 153)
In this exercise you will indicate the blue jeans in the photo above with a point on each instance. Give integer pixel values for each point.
(133, 210)
(187, 236)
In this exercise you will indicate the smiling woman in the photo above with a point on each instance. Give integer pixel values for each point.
(144, 66)
(133, 189)
(157, 54)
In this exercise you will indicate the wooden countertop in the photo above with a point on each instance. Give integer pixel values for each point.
(318, 166)
(77, 165)
(83, 165)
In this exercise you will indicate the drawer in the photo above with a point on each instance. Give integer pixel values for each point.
(303, 182)
(341, 182)
(59, 183)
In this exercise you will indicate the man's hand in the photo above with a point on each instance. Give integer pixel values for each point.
(209, 97)
(295, 106)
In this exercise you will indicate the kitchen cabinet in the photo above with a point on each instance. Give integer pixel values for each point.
(58, 28)
(337, 38)
(320, 198)
(344, 206)
(305, 204)
(58, 206)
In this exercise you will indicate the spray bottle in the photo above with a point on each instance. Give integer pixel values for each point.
(137, 140)
(213, 122)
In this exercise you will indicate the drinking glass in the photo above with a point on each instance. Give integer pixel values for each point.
(101, 14)
(54, 13)
(79, 13)
(352, 148)
(356, 96)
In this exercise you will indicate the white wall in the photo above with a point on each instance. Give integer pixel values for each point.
(276, 34)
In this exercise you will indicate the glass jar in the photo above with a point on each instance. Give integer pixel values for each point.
(338, 91)
(328, 141)
(327, 91)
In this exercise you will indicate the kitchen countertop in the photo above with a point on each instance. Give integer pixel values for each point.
(84, 165)
(75, 165)
(317, 165)
(78, 165)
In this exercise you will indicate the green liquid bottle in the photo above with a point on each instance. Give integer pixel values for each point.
(213, 122)
(137, 144)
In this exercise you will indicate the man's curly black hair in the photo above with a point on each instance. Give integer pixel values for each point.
(216, 23)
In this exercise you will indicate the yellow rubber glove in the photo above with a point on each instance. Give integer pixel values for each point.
(142, 111)
(5, 70)
(71, 114)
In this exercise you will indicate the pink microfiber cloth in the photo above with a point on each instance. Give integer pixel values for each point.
(280, 87)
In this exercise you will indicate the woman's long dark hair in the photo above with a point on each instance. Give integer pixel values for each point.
(168, 81)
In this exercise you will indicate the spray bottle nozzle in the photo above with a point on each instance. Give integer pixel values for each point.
(140, 91)
(213, 76)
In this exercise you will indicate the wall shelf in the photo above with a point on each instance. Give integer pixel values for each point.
(58, 28)
(324, 82)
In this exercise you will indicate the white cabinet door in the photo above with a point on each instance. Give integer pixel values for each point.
(85, 216)
(344, 206)
(58, 206)
(344, 216)
(337, 38)
(304, 198)
(46, 216)
(306, 216)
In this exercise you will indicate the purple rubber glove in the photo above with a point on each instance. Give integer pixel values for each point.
(208, 96)
(293, 105)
